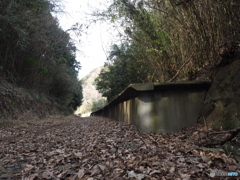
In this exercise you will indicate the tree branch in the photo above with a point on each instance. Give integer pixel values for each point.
(180, 69)
(233, 133)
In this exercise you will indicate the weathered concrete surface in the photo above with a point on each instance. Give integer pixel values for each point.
(163, 107)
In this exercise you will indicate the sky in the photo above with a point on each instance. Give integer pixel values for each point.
(94, 44)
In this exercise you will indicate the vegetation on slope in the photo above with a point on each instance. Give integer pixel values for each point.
(167, 40)
(35, 53)
(92, 99)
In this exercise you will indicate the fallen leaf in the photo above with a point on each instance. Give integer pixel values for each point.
(134, 175)
(61, 151)
(32, 177)
(81, 173)
(185, 176)
(155, 172)
(79, 154)
(103, 168)
(200, 165)
(172, 170)
(28, 167)
(205, 158)
(95, 170)
(2, 169)
(7, 176)
(98, 148)
(47, 174)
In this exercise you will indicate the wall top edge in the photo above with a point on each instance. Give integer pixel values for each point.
(133, 90)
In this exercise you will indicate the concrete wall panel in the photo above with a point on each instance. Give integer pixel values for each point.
(161, 109)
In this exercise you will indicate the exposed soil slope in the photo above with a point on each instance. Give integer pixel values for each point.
(221, 106)
(17, 103)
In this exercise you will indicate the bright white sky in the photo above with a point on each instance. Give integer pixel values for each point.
(94, 45)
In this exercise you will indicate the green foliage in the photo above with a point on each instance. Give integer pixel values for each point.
(166, 40)
(31, 62)
(42, 70)
(36, 53)
(98, 104)
(119, 73)
(76, 98)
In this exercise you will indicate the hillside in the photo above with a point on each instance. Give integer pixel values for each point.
(20, 105)
(37, 60)
(91, 97)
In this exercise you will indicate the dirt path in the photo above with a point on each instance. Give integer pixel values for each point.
(96, 148)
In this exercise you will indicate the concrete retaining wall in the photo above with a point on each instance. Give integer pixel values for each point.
(164, 107)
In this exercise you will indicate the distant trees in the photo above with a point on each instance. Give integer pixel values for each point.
(36, 53)
(98, 104)
(121, 71)
(166, 40)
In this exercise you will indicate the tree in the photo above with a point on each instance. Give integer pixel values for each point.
(98, 104)
(168, 40)
(36, 53)
(122, 71)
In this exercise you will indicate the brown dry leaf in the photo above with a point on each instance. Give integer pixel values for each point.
(201, 165)
(32, 177)
(97, 148)
(95, 170)
(73, 177)
(103, 168)
(60, 151)
(117, 175)
(232, 168)
(78, 154)
(172, 170)
(62, 174)
(155, 172)
(205, 157)
(182, 150)
(90, 178)
(181, 160)
(185, 176)
(47, 175)
(6, 176)
(81, 173)
(28, 167)
(2, 169)
(135, 175)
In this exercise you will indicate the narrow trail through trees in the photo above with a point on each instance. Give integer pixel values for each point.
(98, 148)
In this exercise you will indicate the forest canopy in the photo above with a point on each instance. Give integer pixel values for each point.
(36, 53)
(166, 40)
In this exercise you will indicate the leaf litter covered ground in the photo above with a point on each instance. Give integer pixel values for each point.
(91, 148)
